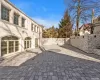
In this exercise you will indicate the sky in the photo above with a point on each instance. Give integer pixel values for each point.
(45, 12)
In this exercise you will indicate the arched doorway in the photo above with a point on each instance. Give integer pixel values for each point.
(9, 44)
(27, 43)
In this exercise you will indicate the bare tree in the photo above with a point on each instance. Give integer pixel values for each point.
(81, 10)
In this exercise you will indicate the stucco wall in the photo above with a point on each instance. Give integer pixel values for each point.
(57, 41)
(86, 43)
(7, 28)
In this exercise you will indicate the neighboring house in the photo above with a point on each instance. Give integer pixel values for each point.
(85, 29)
(96, 22)
(18, 32)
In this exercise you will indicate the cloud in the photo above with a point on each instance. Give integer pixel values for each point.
(46, 22)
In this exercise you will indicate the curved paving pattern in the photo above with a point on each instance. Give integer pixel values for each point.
(51, 65)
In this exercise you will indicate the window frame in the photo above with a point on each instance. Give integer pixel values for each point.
(10, 44)
(5, 13)
(27, 43)
(16, 18)
(32, 27)
(23, 22)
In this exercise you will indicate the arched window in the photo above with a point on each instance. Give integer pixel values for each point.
(9, 44)
(27, 43)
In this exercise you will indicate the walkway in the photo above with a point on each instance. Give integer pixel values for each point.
(56, 63)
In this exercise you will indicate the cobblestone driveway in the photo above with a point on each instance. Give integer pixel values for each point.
(53, 65)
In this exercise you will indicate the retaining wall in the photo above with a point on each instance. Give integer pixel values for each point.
(56, 41)
(86, 43)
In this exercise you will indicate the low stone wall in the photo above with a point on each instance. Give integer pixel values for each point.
(86, 43)
(56, 41)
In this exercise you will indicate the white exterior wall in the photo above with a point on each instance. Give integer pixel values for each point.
(8, 28)
(56, 41)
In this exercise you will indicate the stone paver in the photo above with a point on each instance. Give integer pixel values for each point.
(54, 64)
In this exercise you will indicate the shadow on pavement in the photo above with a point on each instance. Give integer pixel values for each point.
(69, 47)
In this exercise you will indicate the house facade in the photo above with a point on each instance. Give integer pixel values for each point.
(18, 32)
(85, 29)
(96, 23)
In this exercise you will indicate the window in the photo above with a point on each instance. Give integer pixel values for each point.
(16, 18)
(27, 43)
(35, 28)
(23, 22)
(16, 46)
(9, 44)
(32, 27)
(3, 48)
(4, 13)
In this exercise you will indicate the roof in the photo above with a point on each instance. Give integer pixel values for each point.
(88, 25)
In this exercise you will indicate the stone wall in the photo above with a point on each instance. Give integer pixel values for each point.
(56, 41)
(86, 43)
(97, 28)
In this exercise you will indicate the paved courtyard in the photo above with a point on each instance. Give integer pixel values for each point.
(56, 63)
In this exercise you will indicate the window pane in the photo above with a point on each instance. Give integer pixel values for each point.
(16, 48)
(11, 46)
(16, 17)
(3, 48)
(11, 43)
(3, 51)
(24, 44)
(28, 38)
(4, 13)
(27, 44)
(16, 43)
(11, 49)
(3, 44)
(23, 22)
(9, 38)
